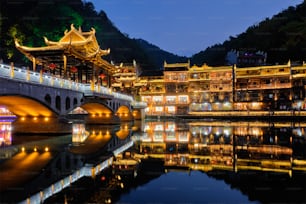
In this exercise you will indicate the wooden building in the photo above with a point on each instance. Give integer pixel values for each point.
(183, 89)
(77, 56)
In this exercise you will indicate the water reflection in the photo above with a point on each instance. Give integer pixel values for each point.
(6, 119)
(33, 170)
(5, 133)
(265, 161)
(233, 146)
(185, 161)
(201, 162)
(79, 133)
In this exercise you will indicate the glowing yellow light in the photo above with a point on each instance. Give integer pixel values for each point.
(107, 115)
(46, 119)
(93, 115)
(46, 149)
(23, 149)
(23, 118)
(35, 149)
(126, 115)
(35, 118)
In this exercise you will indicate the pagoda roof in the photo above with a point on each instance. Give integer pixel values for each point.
(78, 46)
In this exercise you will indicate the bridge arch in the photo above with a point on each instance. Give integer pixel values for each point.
(24, 106)
(52, 97)
(99, 112)
(124, 113)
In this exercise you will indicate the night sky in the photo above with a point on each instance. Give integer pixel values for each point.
(186, 27)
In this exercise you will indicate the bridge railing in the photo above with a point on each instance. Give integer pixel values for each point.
(19, 74)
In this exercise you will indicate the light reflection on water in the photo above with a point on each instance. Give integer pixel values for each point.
(194, 162)
(206, 162)
(223, 145)
(5, 133)
(264, 161)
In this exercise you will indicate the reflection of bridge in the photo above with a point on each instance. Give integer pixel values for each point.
(59, 163)
(37, 95)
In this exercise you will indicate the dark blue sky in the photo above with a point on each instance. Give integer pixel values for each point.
(186, 27)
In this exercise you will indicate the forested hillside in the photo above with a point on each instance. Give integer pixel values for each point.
(31, 20)
(283, 37)
(157, 55)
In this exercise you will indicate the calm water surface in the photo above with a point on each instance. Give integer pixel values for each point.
(185, 187)
(176, 162)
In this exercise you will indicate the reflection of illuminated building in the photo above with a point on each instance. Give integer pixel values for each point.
(79, 134)
(5, 133)
(232, 146)
(185, 89)
(6, 119)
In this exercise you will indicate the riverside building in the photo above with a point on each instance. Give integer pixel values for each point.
(181, 89)
(194, 90)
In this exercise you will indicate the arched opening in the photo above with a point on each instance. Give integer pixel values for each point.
(67, 103)
(48, 99)
(75, 101)
(58, 103)
(124, 113)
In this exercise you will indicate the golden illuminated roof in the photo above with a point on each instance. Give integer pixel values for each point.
(176, 66)
(77, 46)
(207, 68)
(267, 67)
(197, 68)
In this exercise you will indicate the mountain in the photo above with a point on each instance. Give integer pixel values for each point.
(31, 20)
(283, 38)
(157, 55)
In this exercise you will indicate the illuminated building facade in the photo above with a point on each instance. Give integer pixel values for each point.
(185, 89)
(76, 56)
(168, 94)
(126, 79)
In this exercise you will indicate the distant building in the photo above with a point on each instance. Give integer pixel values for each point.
(246, 58)
(231, 57)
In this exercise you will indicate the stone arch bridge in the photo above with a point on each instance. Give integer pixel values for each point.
(35, 95)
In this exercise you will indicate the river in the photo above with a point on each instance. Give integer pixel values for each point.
(181, 161)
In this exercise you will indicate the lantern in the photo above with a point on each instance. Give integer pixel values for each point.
(102, 76)
(52, 66)
(73, 69)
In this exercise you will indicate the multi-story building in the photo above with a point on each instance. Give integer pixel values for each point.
(298, 81)
(264, 87)
(126, 79)
(183, 89)
(168, 94)
(210, 88)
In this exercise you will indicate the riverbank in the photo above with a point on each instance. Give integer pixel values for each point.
(238, 115)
